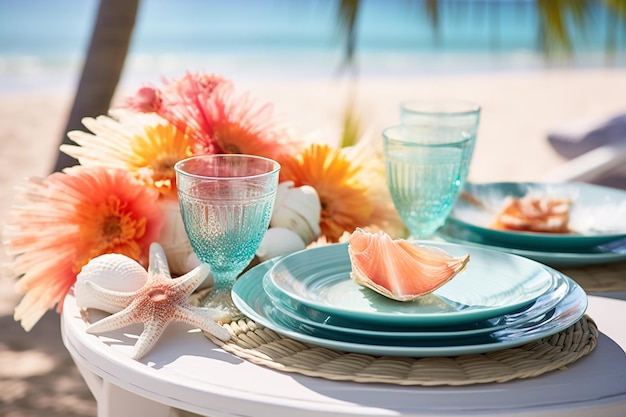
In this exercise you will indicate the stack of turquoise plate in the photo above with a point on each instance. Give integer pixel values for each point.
(597, 223)
(499, 301)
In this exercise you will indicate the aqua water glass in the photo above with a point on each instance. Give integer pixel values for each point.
(438, 112)
(226, 204)
(448, 113)
(427, 163)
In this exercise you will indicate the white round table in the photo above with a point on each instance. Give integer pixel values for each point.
(186, 371)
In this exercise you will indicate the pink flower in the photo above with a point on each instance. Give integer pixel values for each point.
(146, 100)
(184, 106)
(220, 121)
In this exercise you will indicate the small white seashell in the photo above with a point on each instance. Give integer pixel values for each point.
(111, 271)
(298, 209)
(278, 242)
(174, 239)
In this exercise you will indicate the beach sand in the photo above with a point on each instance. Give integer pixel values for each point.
(37, 377)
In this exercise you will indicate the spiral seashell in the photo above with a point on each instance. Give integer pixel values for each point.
(297, 209)
(111, 271)
(278, 242)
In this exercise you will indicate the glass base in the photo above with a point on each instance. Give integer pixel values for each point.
(221, 302)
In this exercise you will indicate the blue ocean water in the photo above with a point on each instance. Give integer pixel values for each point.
(42, 42)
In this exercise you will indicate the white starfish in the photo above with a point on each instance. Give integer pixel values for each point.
(161, 301)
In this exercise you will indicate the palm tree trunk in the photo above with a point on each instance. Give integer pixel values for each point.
(103, 66)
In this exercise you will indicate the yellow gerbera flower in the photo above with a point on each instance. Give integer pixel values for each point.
(67, 219)
(352, 189)
(144, 144)
(346, 203)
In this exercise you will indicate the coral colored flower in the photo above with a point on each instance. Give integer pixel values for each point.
(146, 145)
(345, 199)
(69, 218)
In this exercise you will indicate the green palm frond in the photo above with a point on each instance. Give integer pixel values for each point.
(558, 19)
(347, 18)
(432, 11)
(616, 7)
(617, 12)
(554, 28)
(352, 124)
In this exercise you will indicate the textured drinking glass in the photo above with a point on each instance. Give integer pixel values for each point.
(443, 113)
(226, 204)
(448, 112)
(427, 161)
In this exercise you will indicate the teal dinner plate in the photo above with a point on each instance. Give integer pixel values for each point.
(492, 284)
(308, 316)
(249, 296)
(601, 254)
(597, 214)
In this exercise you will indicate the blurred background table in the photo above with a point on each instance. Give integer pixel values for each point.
(609, 277)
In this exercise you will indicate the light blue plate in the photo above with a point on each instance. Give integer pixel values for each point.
(310, 317)
(601, 254)
(249, 296)
(493, 283)
(597, 216)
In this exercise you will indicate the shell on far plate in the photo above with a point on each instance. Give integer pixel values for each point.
(111, 271)
(399, 269)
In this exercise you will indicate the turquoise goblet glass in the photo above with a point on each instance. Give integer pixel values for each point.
(226, 204)
(427, 160)
(426, 168)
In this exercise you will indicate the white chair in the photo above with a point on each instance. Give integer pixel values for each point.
(597, 151)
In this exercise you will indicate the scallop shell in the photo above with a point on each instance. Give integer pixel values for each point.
(278, 242)
(111, 271)
(399, 269)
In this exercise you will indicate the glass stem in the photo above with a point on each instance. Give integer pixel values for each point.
(223, 281)
(220, 298)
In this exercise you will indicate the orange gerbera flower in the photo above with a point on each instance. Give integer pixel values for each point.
(145, 145)
(66, 220)
(345, 199)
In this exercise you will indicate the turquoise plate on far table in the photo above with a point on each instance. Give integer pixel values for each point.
(597, 215)
(249, 296)
(492, 284)
(601, 254)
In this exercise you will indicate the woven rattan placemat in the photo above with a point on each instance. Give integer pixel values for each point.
(263, 346)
